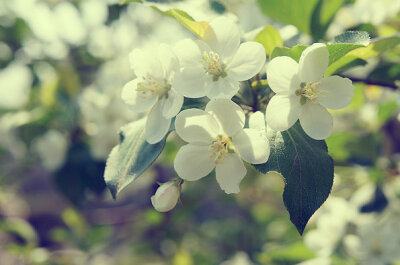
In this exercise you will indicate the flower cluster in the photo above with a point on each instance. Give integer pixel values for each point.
(213, 67)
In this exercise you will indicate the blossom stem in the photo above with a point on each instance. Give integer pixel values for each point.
(368, 81)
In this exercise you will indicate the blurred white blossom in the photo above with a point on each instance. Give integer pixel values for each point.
(51, 148)
(15, 86)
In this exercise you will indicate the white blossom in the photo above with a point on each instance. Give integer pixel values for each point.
(214, 66)
(303, 93)
(153, 89)
(166, 196)
(52, 149)
(216, 139)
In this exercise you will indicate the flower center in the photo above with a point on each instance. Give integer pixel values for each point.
(150, 87)
(221, 146)
(213, 65)
(309, 91)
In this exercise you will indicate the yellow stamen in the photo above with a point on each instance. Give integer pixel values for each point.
(150, 87)
(213, 65)
(309, 91)
(221, 146)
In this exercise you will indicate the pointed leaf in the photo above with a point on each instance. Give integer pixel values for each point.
(198, 28)
(376, 47)
(307, 169)
(131, 157)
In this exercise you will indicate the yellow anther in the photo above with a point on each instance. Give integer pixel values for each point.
(309, 91)
(150, 87)
(213, 65)
(221, 146)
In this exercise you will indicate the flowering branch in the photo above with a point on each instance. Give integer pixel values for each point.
(368, 81)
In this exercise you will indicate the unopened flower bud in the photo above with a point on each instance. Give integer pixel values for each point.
(166, 196)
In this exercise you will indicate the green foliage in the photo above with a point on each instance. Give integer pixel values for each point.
(294, 52)
(355, 37)
(297, 13)
(323, 15)
(344, 44)
(131, 157)
(309, 16)
(296, 252)
(375, 48)
(307, 169)
(197, 28)
(270, 38)
(124, 2)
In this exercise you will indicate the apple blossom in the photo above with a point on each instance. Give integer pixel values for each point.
(302, 92)
(166, 196)
(153, 89)
(214, 66)
(216, 139)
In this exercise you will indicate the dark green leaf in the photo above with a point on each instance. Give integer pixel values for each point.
(131, 157)
(323, 15)
(307, 169)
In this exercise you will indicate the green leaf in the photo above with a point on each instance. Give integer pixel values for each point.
(307, 169)
(375, 48)
(198, 28)
(297, 13)
(338, 50)
(294, 52)
(270, 38)
(295, 253)
(131, 157)
(124, 2)
(355, 37)
(323, 15)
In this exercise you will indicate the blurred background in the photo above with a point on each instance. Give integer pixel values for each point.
(63, 64)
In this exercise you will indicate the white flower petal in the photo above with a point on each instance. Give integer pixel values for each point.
(132, 97)
(336, 92)
(252, 146)
(247, 62)
(193, 162)
(166, 196)
(316, 120)
(282, 112)
(196, 126)
(224, 38)
(257, 121)
(313, 63)
(190, 82)
(157, 125)
(146, 64)
(173, 104)
(230, 173)
(228, 114)
(282, 75)
(223, 88)
(188, 52)
(168, 59)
